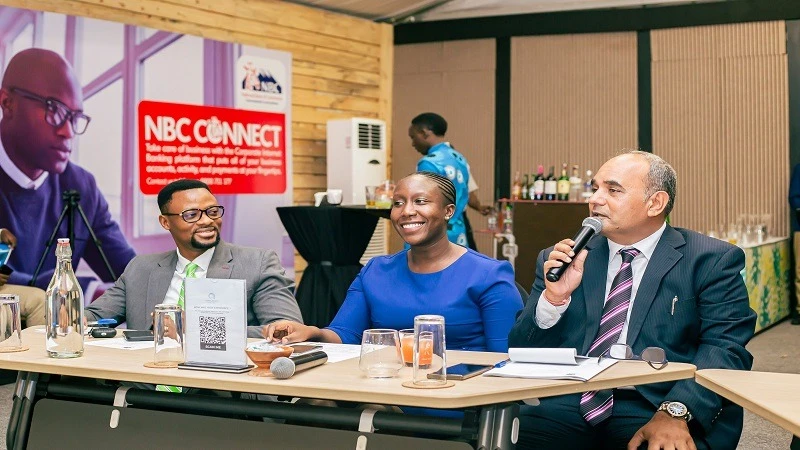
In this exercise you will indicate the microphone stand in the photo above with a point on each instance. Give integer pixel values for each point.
(71, 204)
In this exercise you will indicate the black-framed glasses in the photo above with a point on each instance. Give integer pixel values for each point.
(56, 113)
(194, 214)
(654, 356)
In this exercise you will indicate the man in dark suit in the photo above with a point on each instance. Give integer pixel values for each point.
(642, 283)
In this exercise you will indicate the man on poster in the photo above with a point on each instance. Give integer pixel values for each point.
(42, 112)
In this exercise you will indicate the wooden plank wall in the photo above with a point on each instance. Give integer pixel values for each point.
(456, 80)
(720, 117)
(342, 65)
(573, 100)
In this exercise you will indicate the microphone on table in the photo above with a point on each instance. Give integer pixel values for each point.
(284, 367)
(591, 226)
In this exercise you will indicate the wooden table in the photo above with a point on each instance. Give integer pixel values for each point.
(770, 395)
(496, 398)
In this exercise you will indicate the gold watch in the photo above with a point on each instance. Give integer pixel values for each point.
(676, 409)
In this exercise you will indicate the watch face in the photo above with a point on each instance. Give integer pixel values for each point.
(676, 409)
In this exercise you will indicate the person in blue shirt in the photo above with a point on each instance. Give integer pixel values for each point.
(475, 294)
(427, 132)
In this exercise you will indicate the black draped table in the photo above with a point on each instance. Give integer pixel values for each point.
(332, 240)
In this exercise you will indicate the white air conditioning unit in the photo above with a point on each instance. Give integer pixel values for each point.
(357, 159)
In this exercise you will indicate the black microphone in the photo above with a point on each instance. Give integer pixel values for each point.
(591, 225)
(284, 367)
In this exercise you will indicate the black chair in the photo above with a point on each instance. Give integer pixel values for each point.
(522, 292)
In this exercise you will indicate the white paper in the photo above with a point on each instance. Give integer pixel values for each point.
(545, 355)
(216, 321)
(120, 343)
(339, 352)
(585, 370)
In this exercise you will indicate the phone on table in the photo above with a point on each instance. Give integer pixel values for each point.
(462, 371)
(5, 254)
(138, 335)
(299, 349)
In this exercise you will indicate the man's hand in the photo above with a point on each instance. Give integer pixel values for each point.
(484, 209)
(557, 293)
(3, 279)
(663, 432)
(7, 237)
(287, 331)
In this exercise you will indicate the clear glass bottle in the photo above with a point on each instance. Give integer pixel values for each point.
(64, 308)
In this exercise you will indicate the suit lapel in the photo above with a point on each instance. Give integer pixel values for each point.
(221, 263)
(160, 278)
(664, 258)
(593, 286)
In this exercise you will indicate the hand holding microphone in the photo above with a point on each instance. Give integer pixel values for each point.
(564, 266)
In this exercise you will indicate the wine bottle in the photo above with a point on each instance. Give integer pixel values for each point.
(538, 184)
(64, 308)
(575, 185)
(587, 187)
(516, 188)
(525, 190)
(563, 184)
(550, 185)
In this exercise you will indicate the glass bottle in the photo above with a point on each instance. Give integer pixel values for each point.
(550, 185)
(562, 186)
(516, 188)
(525, 188)
(575, 185)
(64, 308)
(587, 187)
(538, 185)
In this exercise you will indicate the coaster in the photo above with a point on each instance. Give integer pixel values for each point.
(13, 349)
(161, 365)
(410, 384)
(259, 372)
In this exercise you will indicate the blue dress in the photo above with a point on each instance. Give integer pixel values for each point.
(446, 161)
(475, 294)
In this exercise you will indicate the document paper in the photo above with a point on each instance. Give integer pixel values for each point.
(550, 364)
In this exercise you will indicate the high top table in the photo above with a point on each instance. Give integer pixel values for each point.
(495, 399)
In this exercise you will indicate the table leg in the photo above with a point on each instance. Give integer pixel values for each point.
(19, 392)
(506, 426)
(25, 412)
(486, 427)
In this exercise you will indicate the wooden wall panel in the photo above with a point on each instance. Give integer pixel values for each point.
(720, 117)
(573, 100)
(342, 66)
(455, 80)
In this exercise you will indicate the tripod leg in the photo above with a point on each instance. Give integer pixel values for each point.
(49, 244)
(97, 242)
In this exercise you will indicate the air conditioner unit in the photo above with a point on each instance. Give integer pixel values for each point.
(356, 159)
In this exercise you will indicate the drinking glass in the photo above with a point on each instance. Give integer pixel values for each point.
(335, 196)
(407, 346)
(430, 355)
(10, 323)
(380, 353)
(169, 337)
(370, 195)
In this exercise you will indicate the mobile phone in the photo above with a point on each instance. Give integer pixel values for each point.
(304, 348)
(5, 270)
(462, 371)
(138, 335)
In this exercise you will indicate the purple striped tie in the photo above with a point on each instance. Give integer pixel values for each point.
(596, 406)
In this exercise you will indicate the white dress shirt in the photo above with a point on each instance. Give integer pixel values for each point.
(548, 315)
(15, 174)
(202, 262)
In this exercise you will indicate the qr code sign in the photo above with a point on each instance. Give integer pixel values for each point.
(212, 333)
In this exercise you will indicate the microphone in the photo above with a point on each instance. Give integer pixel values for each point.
(591, 225)
(284, 367)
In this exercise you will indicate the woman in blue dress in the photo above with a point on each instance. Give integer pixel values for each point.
(475, 294)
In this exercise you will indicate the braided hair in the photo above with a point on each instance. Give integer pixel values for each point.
(446, 186)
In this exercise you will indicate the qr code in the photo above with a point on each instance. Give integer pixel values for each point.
(212, 333)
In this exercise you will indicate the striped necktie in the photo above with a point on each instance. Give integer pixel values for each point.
(191, 268)
(596, 406)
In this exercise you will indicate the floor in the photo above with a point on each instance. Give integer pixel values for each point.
(774, 350)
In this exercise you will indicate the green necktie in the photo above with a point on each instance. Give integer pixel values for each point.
(190, 269)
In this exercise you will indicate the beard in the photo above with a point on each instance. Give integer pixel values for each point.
(204, 245)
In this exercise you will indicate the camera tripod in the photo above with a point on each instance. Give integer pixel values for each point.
(72, 200)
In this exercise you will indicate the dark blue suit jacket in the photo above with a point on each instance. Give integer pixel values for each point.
(711, 324)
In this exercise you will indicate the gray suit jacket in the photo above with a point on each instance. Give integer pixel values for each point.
(146, 279)
(709, 326)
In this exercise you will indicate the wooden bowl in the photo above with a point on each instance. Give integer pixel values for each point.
(264, 359)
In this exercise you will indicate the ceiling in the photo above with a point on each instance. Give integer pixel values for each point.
(397, 11)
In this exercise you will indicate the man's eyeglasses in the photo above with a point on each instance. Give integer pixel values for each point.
(654, 356)
(57, 113)
(194, 214)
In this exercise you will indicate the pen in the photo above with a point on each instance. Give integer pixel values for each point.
(674, 300)
(502, 363)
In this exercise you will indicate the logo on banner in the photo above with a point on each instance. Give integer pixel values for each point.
(261, 83)
(232, 150)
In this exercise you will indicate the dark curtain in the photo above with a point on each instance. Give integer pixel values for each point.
(331, 240)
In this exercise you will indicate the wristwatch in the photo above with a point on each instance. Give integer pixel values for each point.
(676, 409)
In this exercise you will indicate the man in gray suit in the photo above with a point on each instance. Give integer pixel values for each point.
(192, 215)
(643, 284)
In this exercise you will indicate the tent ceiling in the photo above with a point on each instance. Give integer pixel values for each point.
(429, 10)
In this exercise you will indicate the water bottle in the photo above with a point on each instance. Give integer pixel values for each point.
(64, 308)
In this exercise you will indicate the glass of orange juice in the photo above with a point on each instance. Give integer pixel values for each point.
(407, 346)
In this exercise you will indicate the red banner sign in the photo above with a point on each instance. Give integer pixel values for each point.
(232, 150)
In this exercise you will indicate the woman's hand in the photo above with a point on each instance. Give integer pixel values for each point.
(287, 332)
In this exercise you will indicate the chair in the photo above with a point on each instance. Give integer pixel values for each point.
(522, 292)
